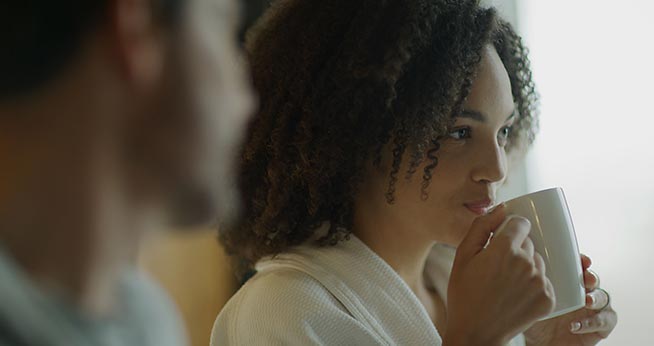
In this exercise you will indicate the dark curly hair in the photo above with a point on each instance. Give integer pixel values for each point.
(340, 82)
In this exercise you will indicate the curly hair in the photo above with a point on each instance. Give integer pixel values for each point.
(340, 81)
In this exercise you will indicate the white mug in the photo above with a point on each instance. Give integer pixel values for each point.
(553, 235)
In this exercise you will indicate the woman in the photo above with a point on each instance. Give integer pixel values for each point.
(384, 129)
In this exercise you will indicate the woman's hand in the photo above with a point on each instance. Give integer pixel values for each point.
(582, 327)
(497, 290)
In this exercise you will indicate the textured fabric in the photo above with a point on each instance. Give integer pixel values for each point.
(31, 316)
(340, 295)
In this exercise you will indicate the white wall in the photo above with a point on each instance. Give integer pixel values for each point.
(593, 62)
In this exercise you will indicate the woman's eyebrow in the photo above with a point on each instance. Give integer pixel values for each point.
(478, 116)
(474, 115)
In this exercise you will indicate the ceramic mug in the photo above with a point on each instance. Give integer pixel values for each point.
(553, 235)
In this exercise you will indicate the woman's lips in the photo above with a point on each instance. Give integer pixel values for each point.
(479, 207)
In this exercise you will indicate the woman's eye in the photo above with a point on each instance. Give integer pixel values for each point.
(459, 134)
(504, 134)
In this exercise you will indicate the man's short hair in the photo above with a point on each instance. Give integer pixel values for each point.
(38, 38)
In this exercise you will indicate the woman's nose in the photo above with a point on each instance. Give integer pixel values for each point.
(490, 165)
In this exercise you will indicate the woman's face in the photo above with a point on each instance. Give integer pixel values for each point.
(472, 161)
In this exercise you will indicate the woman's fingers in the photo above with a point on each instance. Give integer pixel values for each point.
(597, 300)
(604, 318)
(528, 248)
(591, 280)
(585, 262)
(601, 323)
(539, 263)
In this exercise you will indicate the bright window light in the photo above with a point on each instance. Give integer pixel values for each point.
(594, 65)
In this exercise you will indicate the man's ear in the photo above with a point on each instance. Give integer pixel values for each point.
(138, 41)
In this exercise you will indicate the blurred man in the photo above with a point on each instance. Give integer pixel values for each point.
(116, 116)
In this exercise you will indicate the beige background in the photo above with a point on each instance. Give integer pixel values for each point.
(192, 267)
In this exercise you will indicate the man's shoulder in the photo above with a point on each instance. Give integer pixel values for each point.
(151, 310)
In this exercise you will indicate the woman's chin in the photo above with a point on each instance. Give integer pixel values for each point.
(457, 237)
(454, 234)
(453, 241)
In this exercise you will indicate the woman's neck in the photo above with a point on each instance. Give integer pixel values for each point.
(394, 240)
(404, 248)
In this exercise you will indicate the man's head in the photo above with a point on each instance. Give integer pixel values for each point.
(148, 95)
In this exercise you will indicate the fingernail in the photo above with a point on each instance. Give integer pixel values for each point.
(592, 299)
(575, 326)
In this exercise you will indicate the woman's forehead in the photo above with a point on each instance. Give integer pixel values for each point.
(490, 96)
